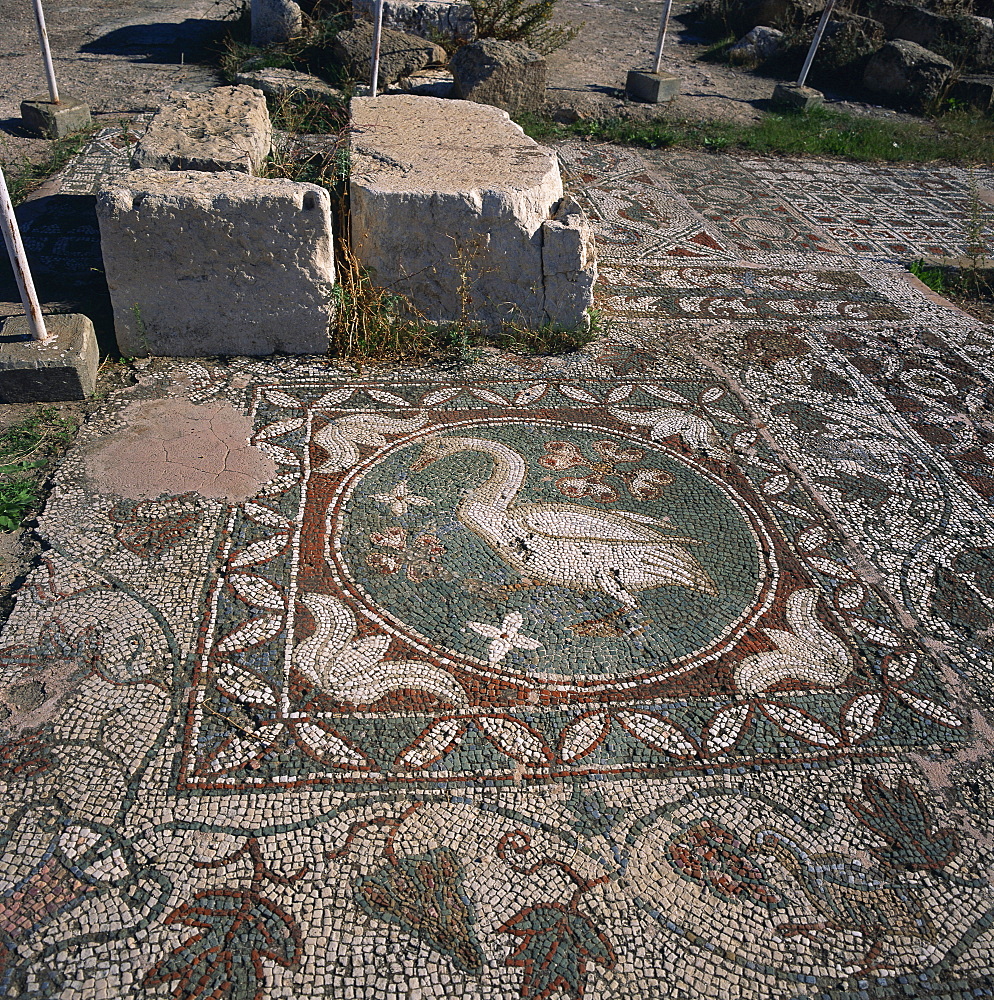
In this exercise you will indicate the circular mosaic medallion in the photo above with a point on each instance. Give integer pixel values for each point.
(558, 554)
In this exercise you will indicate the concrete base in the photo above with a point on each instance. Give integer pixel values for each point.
(54, 121)
(653, 88)
(794, 98)
(63, 368)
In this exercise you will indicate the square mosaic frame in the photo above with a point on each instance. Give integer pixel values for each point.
(324, 679)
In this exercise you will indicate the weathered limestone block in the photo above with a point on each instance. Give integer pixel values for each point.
(967, 41)
(974, 91)
(454, 207)
(401, 54)
(847, 45)
(217, 263)
(907, 74)
(507, 75)
(288, 83)
(275, 22)
(757, 45)
(226, 128)
(427, 18)
(569, 265)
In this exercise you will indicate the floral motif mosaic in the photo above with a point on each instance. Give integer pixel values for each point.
(658, 670)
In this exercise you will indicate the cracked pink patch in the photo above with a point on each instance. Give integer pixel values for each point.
(171, 446)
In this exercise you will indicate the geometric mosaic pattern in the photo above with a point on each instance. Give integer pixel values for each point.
(658, 670)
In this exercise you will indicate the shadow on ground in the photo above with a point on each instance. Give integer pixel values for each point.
(62, 241)
(189, 41)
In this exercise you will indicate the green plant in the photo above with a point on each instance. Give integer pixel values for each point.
(717, 51)
(26, 448)
(954, 137)
(310, 51)
(935, 277)
(17, 498)
(528, 21)
(24, 177)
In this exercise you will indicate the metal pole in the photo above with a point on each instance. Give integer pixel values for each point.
(661, 39)
(374, 71)
(816, 41)
(19, 262)
(46, 52)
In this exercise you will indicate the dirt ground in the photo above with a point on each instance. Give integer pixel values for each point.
(119, 57)
(122, 58)
(589, 73)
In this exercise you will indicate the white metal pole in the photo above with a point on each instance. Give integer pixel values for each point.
(46, 52)
(661, 38)
(19, 262)
(816, 41)
(374, 71)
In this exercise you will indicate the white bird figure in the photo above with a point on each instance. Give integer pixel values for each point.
(504, 637)
(695, 431)
(615, 552)
(353, 670)
(342, 437)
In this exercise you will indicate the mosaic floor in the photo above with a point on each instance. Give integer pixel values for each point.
(661, 670)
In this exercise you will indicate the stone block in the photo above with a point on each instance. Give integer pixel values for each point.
(288, 84)
(507, 75)
(757, 45)
(451, 202)
(967, 41)
(792, 97)
(225, 128)
(426, 83)
(217, 263)
(427, 18)
(63, 368)
(54, 121)
(401, 54)
(275, 22)
(973, 91)
(907, 74)
(846, 47)
(569, 266)
(652, 88)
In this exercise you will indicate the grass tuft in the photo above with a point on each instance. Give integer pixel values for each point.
(956, 137)
(24, 177)
(26, 449)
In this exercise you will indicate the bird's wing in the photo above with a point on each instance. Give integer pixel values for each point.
(583, 524)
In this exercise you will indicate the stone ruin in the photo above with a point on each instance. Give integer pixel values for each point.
(452, 206)
(900, 53)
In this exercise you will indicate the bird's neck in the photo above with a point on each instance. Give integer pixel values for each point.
(507, 476)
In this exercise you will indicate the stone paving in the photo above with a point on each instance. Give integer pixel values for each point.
(658, 670)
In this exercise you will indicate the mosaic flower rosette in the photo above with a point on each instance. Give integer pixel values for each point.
(536, 579)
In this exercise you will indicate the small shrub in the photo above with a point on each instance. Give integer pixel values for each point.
(528, 21)
(934, 277)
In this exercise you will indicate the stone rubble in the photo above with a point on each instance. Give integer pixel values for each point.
(222, 129)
